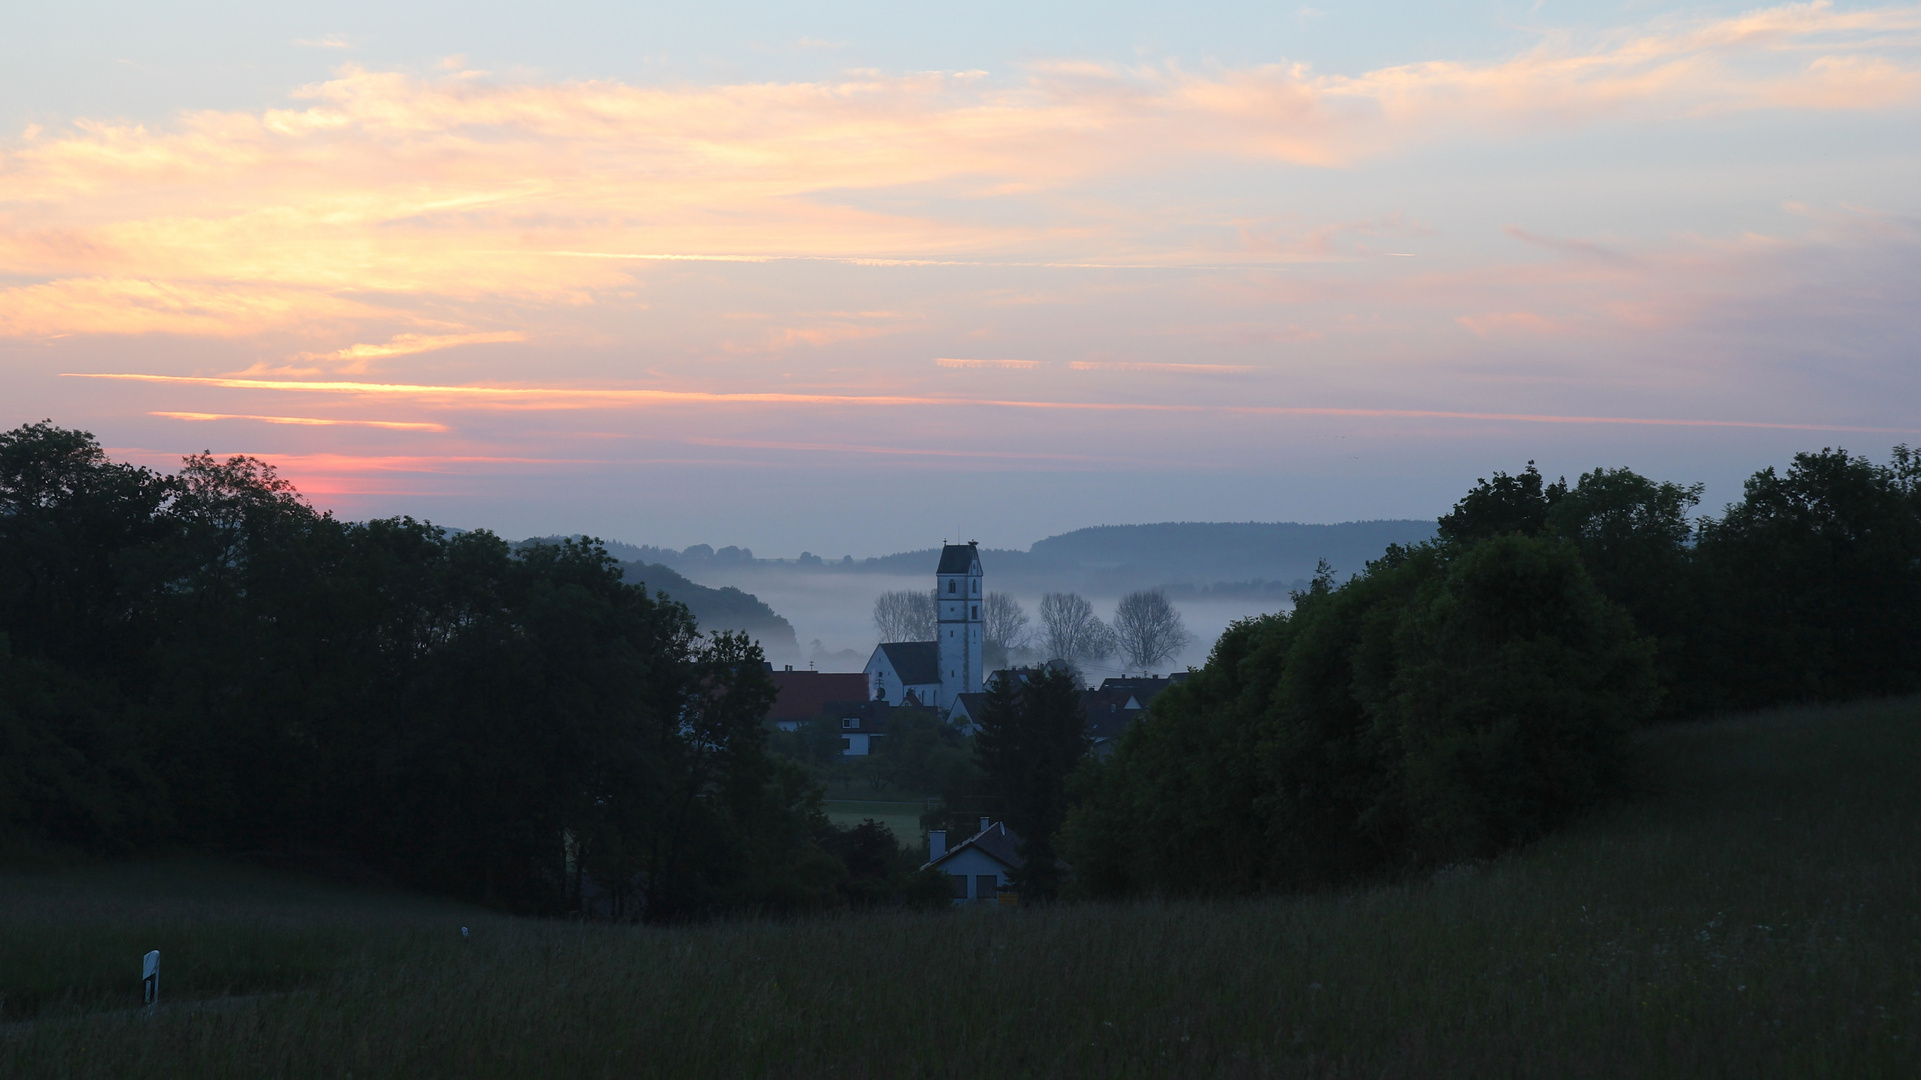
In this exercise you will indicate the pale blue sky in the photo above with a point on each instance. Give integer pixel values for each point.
(1541, 215)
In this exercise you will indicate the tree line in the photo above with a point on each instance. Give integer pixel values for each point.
(202, 660)
(1461, 696)
(1147, 629)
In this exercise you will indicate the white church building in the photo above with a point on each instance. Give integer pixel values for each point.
(938, 672)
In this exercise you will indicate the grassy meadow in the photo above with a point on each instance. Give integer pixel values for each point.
(1754, 913)
(902, 816)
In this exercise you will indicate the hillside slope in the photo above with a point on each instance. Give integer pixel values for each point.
(725, 608)
(1757, 912)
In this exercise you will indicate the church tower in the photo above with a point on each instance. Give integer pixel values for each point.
(957, 583)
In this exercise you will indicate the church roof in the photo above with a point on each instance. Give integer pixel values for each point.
(916, 662)
(958, 559)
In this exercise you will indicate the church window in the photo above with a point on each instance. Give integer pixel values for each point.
(950, 585)
(977, 612)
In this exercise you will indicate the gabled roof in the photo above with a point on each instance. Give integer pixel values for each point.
(804, 693)
(1145, 687)
(916, 662)
(969, 704)
(959, 559)
(997, 842)
(1109, 711)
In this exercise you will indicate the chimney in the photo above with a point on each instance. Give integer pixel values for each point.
(936, 843)
(986, 824)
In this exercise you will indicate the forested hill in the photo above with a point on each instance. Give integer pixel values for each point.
(725, 608)
(1103, 559)
(1231, 551)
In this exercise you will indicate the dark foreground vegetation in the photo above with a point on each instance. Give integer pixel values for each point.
(1460, 697)
(1755, 912)
(201, 661)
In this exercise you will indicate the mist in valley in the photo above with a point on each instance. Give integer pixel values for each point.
(1214, 573)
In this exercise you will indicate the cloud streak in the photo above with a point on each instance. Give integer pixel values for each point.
(305, 421)
(562, 397)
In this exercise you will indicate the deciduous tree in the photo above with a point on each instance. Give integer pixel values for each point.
(1070, 631)
(1149, 629)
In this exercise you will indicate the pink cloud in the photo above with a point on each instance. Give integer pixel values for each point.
(467, 189)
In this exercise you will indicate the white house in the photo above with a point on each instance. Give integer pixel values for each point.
(978, 867)
(862, 725)
(938, 672)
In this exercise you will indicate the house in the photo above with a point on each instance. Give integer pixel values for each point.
(938, 671)
(861, 724)
(1107, 711)
(1145, 688)
(978, 867)
(804, 694)
(965, 713)
(1107, 714)
(1117, 704)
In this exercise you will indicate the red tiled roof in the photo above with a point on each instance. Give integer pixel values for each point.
(803, 694)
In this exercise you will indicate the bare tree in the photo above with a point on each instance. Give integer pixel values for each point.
(1005, 630)
(1149, 628)
(1071, 632)
(905, 615)
(1006, 624)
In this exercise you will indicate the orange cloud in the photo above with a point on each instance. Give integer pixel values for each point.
(307, 421)
(408, 344)
(463, 190)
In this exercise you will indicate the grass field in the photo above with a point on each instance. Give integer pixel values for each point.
(903, 817)
(1755, 914)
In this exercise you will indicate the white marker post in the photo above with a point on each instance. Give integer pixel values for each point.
(150, 980)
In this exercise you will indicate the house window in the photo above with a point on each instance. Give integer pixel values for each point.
(846, 744)
(986, 886)
(849, 723)
(959, 882)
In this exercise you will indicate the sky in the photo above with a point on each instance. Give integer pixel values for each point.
(857, 278)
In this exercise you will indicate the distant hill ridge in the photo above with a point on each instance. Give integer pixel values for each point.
(1102, 558)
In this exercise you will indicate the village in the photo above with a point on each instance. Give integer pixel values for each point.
(939, 686)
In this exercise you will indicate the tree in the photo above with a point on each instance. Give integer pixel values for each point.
(1006, 628)
(1506, 504)
(1813, 583)
(1148, 628)
(905, 615)
(1636, 540)
(1032, 738)
(1449, 702)
(203, 659)
(1071, 632)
